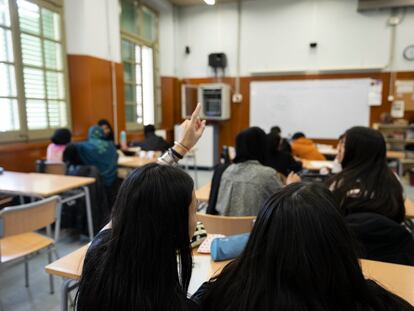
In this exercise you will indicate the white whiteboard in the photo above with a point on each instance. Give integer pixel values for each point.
(319, 108)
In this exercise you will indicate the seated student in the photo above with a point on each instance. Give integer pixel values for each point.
(281, 161)
(247, 183)
(366, 184)
(337, 167)
(60, 139)
(305, 148)
(132, 264)
(371, 198)
(107, 128)
(284, 143)
(300, 256)
(97, 191)
(152, 142)
(101, 153)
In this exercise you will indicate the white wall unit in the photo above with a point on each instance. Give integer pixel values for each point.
(319, 108)
(206, 148)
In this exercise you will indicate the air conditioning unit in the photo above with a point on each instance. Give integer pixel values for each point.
(364, 5)
(215, 99)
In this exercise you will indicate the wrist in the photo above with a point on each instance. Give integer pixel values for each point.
(180, 150)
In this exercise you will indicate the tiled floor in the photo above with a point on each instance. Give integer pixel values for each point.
(15, 297)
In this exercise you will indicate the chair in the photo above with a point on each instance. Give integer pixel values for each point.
(225, 224)
(17, 236)
(57, 168)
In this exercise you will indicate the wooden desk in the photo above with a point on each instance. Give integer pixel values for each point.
(40, 185)
(396, 278)
(37, 185)
(409, 208)
(69, 266)
(134, 162)
(399, 155)
(316, 165)
(328, 151)
(203, 193)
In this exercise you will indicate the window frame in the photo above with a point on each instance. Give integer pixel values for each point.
(140, 41)
(24, 134)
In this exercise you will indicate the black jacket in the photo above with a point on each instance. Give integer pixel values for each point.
(152, 143)
(382, 239)
(215, 186)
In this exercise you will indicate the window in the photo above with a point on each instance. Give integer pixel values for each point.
(139, 48)
(33, 94)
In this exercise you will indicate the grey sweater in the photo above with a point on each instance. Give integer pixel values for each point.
(244, 187)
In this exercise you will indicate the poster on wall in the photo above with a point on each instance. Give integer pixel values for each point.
(375, 93)
(397, 109)
(404, 91)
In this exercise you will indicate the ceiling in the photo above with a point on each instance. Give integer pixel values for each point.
(195, 2)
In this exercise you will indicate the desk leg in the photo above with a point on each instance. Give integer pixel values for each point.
(67, 287)
(58, 220)
(88, 212)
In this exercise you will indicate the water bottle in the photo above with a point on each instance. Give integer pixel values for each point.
(123, 140)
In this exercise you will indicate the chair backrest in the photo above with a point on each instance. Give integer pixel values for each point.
(57, 168)
(28, 217)
(225, 224)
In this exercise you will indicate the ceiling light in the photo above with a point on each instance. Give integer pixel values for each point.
(210, 2)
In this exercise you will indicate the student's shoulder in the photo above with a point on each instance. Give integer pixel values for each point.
(266, 170)
(100, 241)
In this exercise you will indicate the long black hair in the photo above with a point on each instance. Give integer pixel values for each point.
(136, 269)
(299, 256)
(366, 184)
(250, 145)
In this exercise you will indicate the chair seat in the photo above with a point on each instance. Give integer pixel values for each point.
(18, 246)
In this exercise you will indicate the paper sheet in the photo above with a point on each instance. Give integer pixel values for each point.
(375, 93)
(397, 109)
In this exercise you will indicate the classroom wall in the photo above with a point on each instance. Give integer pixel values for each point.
(275, 36)
(240, 111)
(93, 29)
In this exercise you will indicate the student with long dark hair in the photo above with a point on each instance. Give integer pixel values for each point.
(299, 256)
(142, 258)
(371, 198)
(366, 184)
(133, 266)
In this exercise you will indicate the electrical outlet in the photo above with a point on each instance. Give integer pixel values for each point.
(237, 98)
